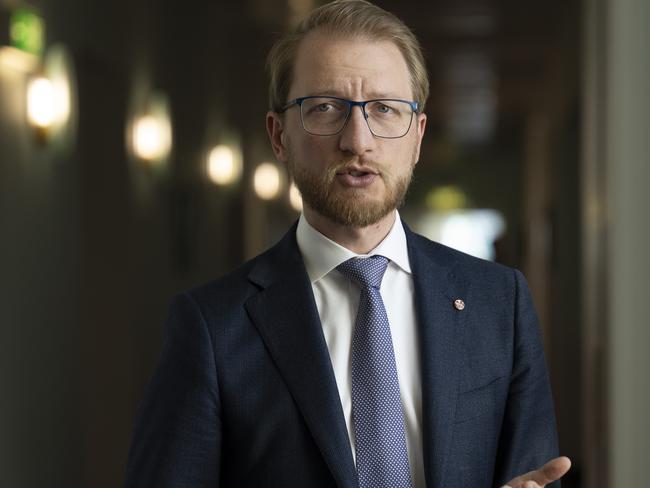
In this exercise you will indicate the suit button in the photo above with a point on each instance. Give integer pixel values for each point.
(459, 304)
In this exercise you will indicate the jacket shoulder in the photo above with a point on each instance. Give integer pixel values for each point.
(224, 297)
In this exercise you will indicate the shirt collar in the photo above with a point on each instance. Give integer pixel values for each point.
(321, 254)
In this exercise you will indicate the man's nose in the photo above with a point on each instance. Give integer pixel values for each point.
(356, 136)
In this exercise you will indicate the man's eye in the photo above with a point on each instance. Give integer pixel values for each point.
(324, 107)
(383, 109)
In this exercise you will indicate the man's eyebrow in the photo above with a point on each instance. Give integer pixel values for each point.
(340, 94)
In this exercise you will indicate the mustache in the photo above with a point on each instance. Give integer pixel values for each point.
(356, 162)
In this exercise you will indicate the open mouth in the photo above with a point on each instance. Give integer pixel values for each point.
(357, 177)
(356, 173)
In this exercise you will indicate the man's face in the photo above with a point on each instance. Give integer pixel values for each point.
(352, 178)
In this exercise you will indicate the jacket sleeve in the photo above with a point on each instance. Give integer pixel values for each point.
(177, 437)
(528, 436)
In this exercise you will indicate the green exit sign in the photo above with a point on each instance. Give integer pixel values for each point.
(27, 31)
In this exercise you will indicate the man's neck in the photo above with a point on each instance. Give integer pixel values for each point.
(360, 240)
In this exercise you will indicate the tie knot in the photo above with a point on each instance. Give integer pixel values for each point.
(368, 272)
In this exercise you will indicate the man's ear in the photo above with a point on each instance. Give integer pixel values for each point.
(275, 129)
(421, 124)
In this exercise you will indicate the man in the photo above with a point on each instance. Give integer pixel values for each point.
(354, 353)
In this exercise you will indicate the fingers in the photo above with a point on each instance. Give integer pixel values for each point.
(551, 471)
(556, 468)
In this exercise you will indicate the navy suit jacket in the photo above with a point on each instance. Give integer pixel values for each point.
(245, 394)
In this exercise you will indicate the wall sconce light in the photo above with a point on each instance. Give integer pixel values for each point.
(224, 165)
(22, 38)
(51, 98)
(149, 136)
(267, 181)
(295, 199)
(40, 103)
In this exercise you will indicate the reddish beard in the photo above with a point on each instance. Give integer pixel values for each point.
(351, 207)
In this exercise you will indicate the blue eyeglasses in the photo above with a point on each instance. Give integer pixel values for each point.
(327, 116)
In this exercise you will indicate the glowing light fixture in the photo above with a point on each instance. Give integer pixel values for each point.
(267, 181)
(51, 99)
(224, 165)
(149, 138)
(41, 106)
(295, 199)
(150, 135)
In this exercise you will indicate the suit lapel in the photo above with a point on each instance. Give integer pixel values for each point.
(440, 328)
(285, 314)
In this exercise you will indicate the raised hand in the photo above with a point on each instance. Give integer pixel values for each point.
(539, 478)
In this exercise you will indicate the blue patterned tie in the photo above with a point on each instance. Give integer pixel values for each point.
(382, 459)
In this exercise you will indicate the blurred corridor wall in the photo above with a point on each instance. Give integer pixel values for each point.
(93, 245)
(39, 285)
(628, 176)
(616, 203)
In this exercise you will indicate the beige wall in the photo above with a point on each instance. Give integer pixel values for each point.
(628, 182)
(616, 224)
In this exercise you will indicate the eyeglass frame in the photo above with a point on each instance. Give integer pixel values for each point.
(352, 103)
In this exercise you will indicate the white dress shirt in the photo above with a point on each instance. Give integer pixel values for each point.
(337, 300)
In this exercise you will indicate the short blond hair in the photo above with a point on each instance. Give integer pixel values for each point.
(347, 18)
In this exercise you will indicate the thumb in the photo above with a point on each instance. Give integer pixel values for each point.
(551, 471)
(555, 469)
